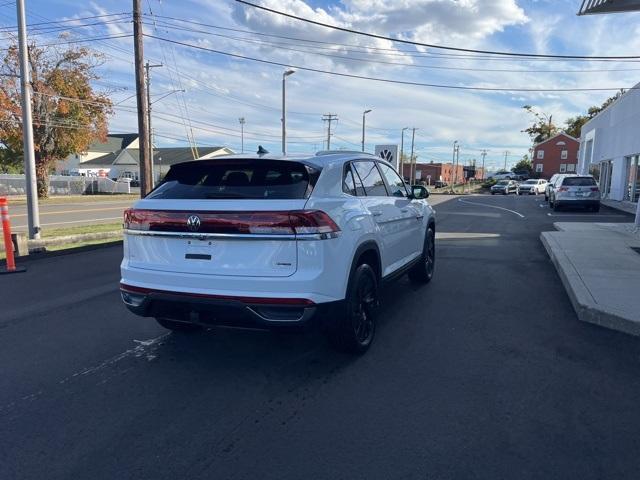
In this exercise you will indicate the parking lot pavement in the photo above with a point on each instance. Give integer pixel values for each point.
(484, 373)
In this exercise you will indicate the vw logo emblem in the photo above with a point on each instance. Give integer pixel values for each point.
(193, 223)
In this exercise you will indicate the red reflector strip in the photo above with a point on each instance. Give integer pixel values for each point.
(300, 302)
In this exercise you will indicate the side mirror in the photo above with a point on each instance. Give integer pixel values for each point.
(419, 192)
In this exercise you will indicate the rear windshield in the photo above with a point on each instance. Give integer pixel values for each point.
(578, 182)
(243, 179)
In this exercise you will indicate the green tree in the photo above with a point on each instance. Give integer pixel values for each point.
(542, 127)
(10, 162)
(523, 165)
(68, 115)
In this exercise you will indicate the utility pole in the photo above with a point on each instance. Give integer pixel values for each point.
(329, 117)
(401, 162)
(33, 214)
(484, 155)
(506, 154)
(147, 78)
(242, 122)
(146, 175)
(412, 165)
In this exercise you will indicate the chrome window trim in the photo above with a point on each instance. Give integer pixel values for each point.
(232, 236)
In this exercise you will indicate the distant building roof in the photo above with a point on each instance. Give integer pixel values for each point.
(161, 156)
(561, 134)
(114, 143)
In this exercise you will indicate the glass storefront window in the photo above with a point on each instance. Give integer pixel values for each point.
(632, 191)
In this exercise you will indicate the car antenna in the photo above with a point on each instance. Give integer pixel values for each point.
(262, 150)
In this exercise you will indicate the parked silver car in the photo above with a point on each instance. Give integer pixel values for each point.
(576, 191)
(554, 181)
(533, 186)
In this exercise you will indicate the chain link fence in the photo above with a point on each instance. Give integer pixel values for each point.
(61, 185)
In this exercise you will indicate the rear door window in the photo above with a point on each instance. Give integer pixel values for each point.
(371, 178)
(578, 182)
(395, 184)
(242, 179)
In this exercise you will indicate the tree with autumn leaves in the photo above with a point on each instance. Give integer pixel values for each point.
(68, 115)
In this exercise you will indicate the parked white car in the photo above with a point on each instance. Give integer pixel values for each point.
(555, 181)
(276, 241)
(533, 186)
(576, 191)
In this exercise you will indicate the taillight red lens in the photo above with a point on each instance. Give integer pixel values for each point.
(312, 221)
(595, 189)
(563, 189)
(265, 223)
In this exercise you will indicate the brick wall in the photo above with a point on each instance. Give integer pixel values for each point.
(552, 160)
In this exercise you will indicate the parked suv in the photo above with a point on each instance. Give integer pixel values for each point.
(576, 191)
(276, 241)
(532, 187)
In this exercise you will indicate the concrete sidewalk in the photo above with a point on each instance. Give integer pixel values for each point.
(600, 271)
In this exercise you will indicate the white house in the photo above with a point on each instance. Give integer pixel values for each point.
(610, 148)
(118, 157)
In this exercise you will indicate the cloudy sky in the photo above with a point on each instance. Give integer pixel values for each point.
(219, 89)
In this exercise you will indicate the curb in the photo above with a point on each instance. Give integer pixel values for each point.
(583, 303)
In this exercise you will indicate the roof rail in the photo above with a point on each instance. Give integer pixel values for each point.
(338, 152)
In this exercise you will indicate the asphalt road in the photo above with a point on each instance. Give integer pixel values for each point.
(485, 373)
(70, 214)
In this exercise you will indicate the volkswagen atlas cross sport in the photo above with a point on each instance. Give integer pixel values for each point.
(276, 241)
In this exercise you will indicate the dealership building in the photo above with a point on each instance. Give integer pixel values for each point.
(610, 149)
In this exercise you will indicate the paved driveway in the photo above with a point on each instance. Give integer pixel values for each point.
(486, 373)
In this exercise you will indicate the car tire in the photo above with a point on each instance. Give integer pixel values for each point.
(354, 329)
(595, 208)
(493, 193)
(176, 326)
(556, 207)
(546, 198)
(423, 271)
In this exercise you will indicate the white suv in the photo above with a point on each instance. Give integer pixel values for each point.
(276, 241)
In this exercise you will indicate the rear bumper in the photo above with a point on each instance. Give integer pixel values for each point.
(203, 309)
(577, 202)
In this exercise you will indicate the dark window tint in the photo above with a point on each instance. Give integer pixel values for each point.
(371, 179)
(394, 182)
(348, 184)
(578, 182)
(210, 179)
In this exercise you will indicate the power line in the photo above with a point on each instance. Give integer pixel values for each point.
(49, 22)
(289, 47)
(388, 80)
(429, 45)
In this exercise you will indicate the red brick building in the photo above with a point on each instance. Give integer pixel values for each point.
(559, 154)
(433, 172)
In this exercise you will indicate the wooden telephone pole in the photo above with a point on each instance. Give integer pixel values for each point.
(146, 175)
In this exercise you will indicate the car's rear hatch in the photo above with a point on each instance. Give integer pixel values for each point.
(578, 188)
(224, 217)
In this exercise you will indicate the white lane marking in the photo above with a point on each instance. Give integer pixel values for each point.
(491, 206)
(599, 215)
(72, 211)
(464, 235)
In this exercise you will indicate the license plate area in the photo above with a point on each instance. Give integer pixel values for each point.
(199, 250)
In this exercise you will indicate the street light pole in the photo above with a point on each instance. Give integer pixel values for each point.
(411, 162)
(484, 155)
(363, 120)
(453, 165)
(506, 154)
(401, 162)
(33, 216)
(242, 122)
(284, 110)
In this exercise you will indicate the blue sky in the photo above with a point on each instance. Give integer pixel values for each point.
(219, 89)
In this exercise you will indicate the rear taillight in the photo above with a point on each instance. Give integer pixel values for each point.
(595, 189)
(296, 222)
(563, 189)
